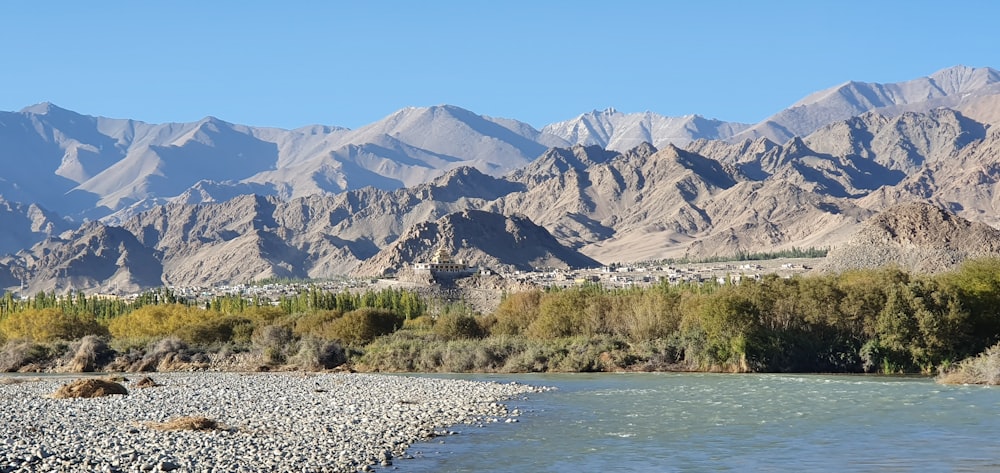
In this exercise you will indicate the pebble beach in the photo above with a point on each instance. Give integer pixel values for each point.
(274, 422)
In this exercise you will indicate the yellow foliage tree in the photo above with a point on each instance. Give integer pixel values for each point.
(45, 325)
(190, 324)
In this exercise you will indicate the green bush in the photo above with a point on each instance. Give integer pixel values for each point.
(458, 327)
(316, 323)
(361, 326)
(516, 312)
(215, 330)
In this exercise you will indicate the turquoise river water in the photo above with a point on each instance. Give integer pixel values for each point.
(722, 422)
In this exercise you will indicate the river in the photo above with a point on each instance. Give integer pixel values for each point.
(723, 422)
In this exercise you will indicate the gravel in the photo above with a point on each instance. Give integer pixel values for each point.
(275, 422)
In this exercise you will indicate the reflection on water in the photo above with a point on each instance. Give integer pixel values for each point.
(711, 422)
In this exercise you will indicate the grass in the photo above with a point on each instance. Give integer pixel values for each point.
(87, 388)
(981, 369)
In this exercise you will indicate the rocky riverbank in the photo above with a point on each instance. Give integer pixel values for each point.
(275, 422)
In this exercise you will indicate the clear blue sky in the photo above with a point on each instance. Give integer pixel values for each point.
(348, 63)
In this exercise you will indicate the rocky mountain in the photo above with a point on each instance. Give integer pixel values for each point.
(94, 256)
(917, 237)
(479, 238)
(714, 198)
(965, 182)
(642, 191)
(212, 202)
(313, 236)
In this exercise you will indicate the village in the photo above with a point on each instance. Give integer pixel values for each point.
(649, 274)
(442, 273)
(623, 275)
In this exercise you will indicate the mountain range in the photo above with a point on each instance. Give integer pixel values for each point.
(100, 203)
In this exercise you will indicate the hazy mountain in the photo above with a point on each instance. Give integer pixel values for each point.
(773, 215)
(619, 131)
(491, 145)
(715, 198)
(254, 237)
(83, 166)
(956, 87)
(91, 167)
(902, 142)
(855, 157)
(608, 204)
(24, 225)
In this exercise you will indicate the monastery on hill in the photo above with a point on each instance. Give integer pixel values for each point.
(441, 263)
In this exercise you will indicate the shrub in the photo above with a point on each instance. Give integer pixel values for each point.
(146, 382)
(216, 330)
(420, 323)
(400, 351)
(560, 314)
(980, 369)
(173, 320)
(458, 327)
(316, 323)
(264, 315)
(516, 312)
(591, 354)
(273, 340)
(89, 354)
(18, 354)
(318, 354)
(361, 326)
(164, 355)
(534, 358)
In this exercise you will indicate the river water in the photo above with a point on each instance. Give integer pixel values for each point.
(722, 422)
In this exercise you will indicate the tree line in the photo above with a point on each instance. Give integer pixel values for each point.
(883, 320)
(879, 321)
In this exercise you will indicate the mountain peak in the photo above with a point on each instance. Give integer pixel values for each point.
(962, 70)
(44, 108)
(646, 149)
(962, 78)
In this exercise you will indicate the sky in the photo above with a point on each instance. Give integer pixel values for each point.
(349, 63)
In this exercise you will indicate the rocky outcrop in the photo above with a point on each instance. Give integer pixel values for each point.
(917, 237)
(481, 239)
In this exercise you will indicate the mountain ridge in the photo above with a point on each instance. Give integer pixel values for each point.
(212, 202)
